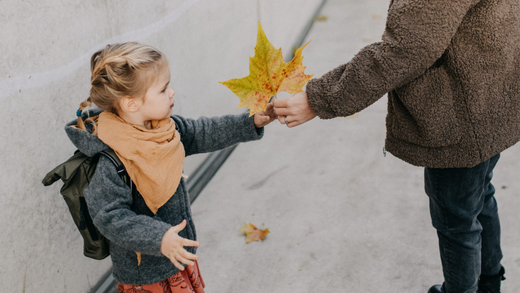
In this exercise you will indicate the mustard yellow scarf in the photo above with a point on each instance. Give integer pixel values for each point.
(153, 157)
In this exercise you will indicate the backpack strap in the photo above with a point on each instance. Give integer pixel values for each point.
(120, 168)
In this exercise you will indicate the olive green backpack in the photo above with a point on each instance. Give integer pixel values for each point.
(76, 173)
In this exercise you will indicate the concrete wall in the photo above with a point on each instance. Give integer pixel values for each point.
(46, 46)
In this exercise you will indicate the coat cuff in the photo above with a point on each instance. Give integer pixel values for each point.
(318, 103)
(249, 124)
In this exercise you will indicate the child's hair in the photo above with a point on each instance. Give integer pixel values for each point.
(120, 70)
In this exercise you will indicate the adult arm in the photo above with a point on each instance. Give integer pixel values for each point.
(417, 33)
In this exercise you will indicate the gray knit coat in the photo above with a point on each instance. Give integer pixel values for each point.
(451, 69)
(129, 224)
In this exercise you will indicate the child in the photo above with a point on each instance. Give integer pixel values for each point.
(152, 236)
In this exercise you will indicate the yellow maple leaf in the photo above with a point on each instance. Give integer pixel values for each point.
(268, 75)
(253, 233)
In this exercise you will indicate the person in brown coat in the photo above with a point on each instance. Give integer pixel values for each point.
(451, 70)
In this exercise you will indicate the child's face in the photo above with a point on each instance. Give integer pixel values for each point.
(158, 101)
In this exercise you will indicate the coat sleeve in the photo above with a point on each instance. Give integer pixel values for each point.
(417, 34)
(211, 134)
(109, 200)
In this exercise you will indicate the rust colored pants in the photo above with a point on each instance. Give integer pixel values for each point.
(187, 281)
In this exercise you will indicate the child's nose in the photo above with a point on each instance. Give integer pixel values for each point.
(172, 93)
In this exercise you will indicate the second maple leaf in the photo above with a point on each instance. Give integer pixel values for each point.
(253, 233)
(269, 74)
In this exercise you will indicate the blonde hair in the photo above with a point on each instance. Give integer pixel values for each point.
(120, 70)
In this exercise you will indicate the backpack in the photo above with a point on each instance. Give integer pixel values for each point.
(76, 173)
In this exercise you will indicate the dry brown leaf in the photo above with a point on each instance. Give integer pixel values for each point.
(321, 18)
(253, 233)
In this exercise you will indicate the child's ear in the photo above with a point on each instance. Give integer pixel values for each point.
(130, 104)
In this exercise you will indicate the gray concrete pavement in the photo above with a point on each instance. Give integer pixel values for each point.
(342, 217)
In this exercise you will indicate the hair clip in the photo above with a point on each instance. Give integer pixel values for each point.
(78, 113)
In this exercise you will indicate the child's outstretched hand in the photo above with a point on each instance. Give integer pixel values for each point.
(172, 246)
(265, 117)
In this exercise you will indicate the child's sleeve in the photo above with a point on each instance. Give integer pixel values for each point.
(109, 202)
(211, 134)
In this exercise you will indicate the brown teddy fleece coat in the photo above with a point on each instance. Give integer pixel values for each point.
(451, 69)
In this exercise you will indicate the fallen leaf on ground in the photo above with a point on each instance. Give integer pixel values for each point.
(268, 75)
(321, 18)
(253, 233)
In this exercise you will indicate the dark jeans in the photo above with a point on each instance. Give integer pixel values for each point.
(464, 212)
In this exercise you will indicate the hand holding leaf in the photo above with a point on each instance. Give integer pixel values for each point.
(263, 118)
(268, 75)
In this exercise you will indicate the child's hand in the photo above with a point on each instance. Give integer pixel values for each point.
(265, 117)
(172, 246)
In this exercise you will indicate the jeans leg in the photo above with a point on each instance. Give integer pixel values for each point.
(457, 199)
(491, 253)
